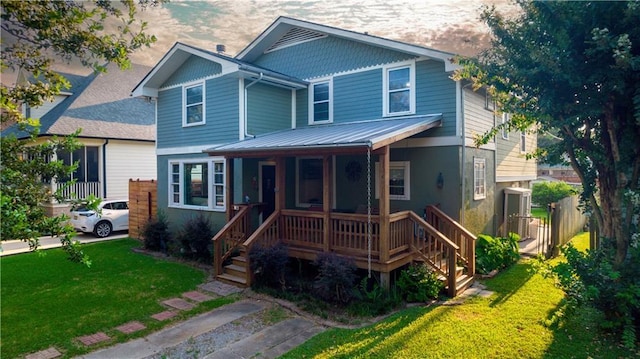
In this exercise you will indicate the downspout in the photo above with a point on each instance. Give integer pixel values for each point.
(246, 108)
(464, 150)
(104, 168)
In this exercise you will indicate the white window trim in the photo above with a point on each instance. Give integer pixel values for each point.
(412, 88)
(489, 104)
(523, 142)
(406, 166)
(505, 132)
(210, 171)
(312, 103)
(476, 195)
(185, 87)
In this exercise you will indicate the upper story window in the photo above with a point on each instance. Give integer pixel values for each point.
(479, 178)
(489, 104)
(197, 184)
(399, 184)
(399, 90)
(193, 100)
(523, 141)
(504, 130)
(321, 102)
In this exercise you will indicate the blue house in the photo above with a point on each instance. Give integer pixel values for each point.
(329, 140)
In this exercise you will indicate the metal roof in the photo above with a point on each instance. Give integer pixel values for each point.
(330, 138)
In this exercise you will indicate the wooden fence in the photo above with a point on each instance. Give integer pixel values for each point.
(143, 205)
(566, 221)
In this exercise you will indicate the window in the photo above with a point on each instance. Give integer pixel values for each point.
(88, 164)
(321, 102)
(193, 99)
(479, 178)
(489, 104)
(197, 184)
(399, 94)
(308, 181)
(504, 130)
(399, 184)
(523, 141)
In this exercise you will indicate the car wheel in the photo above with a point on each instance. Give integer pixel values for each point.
(102, 229)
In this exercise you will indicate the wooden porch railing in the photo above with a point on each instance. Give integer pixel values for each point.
(230, 237)
(79, 190)
(457, 234)
(268, 234)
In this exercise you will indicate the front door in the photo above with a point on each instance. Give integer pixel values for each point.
(267, 189)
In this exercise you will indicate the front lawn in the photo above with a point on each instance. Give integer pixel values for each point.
(48, 300)
(519, 321)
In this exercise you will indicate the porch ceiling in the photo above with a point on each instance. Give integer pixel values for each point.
(329, 138)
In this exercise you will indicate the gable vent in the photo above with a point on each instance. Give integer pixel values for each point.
(293, 37)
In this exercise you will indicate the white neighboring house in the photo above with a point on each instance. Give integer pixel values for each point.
(118, 133)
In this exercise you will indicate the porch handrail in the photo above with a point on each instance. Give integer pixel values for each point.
(434, 253)
(260, 235)
(232, 234)
(456, 232)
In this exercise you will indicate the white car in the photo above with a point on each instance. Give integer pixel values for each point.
(112, 216)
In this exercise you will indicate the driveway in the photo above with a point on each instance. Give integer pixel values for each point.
(16, 246)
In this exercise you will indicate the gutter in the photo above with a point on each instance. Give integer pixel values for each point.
(246, 106)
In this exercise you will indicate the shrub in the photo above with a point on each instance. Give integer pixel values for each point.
(269, 265)
(418, 283)
(194, 239)
(544, 193)
(156, 233)
(590, 278)
(336, 277)
(372, 299)
(496, 253)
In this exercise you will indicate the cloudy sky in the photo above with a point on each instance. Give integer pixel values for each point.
(449, 25)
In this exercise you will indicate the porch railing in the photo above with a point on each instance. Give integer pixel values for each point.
(79, 190)
(230, 237)
(457, 234)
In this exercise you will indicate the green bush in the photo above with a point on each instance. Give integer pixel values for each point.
(496, 253)
(590, 278)
(544, 193)
(269, 265)
(194, 239)
(418, 283)
(336, 277)
(371, 299)
(155, 233)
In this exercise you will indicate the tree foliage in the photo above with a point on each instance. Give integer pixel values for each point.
(572, 69)
(36, 35)
(545, 193)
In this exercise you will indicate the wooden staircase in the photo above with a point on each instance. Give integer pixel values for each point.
(236, 271)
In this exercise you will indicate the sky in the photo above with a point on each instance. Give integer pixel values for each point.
(448, 25)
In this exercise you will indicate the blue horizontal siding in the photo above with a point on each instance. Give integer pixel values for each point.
(357, 96)
(269, 109)
(222, 116)
(327, 56)
(302, 108)
(192, 69)
(436, 93)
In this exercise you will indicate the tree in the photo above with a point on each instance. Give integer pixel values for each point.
(545, 193)
(36, 34)
(572, 68)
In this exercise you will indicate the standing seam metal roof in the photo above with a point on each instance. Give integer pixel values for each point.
(342, 135)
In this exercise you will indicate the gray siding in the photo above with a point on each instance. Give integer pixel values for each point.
(222, 116)
(302, 108)
(480, 215)
(357, 96)
(477, 119)
(436, 93)
(327, 56)
(269, 109)
(193, 69)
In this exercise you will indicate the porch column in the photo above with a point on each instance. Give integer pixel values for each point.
(281, 170)
(383, 183)
(326, 201)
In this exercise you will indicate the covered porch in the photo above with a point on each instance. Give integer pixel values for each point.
(375, 236)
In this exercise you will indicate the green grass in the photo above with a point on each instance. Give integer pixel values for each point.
(523, 319)
(48, 300)
(538, 212)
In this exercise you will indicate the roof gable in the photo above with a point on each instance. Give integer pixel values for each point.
(283, 29)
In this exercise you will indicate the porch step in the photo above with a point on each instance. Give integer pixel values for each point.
(236, 270)
(231, 279)
(463, 282)
(239, 261)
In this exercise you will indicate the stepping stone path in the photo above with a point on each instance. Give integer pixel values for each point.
(219, 288)
(167, 314)
(197, 296)
(93, 338)
(48, 353)
(131, 327)
(179, 304)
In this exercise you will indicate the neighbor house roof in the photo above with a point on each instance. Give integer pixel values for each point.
(101, 106)
(284, 26)
(330, 138)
